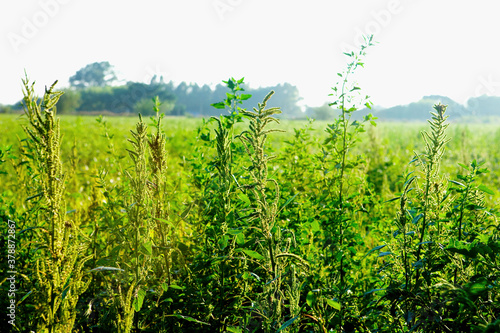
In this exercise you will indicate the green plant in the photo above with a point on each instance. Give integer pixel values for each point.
(252, 227)
(343, 183)
(160, 214)
(138, 236)
(265, 209)
(273, 251)
(434, 144)
(58, 279)
(432, 269)
(219, 219)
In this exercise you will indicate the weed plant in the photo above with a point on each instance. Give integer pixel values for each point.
(253, 225)
(58, 278)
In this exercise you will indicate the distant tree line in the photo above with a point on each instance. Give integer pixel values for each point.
(478, 109)
(94, 88)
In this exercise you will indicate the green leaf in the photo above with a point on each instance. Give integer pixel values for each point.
(103, 268)
(65, 289)
(240, 238)
(234, 231)
(372, 291)
(375, 249)
(288, 201)
(456, 183)
(311, 298)
(409, 181)
(418, 265)
(393, 199)
(417, 218)
(223, 242)
(253, 254)
(244, 97)
(186, 211)
(139, 300)
(166, 222)
(244, 198)
(174, 286)
(24, 297)
(34, 196)
(485, 189)
(315, 226)
(148, 247)
(187, 318)
(287, 323)
(333, 304)
(234, 329)
(219, 105)
(476, 288)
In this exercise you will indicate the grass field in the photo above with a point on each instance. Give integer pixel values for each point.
(240, 223)
(200, 260)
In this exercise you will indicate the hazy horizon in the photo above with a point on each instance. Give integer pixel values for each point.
(424, 48)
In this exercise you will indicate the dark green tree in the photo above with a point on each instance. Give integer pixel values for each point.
(97, 74)
(69, 101)
(286, 96)
(323, 112)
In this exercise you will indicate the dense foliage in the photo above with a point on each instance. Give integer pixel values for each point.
(240, 223)
(95, 89)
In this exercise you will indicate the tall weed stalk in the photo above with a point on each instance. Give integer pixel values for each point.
(340, 177)
(265, 210)
(160, 215)
(59, 278)
(134, 262)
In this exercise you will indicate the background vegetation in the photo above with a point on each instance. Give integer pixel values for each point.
(243, 223)
(96, 89)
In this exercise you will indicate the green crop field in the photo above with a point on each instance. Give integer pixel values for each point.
(242, 223)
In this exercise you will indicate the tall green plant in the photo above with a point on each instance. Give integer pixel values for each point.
(129, 287)
(265, 210)
(434, 144)
(224, 144)
(422, 203)
(221, 230)
(59, 278)
(158, 184)
(340, 181)
(432, 275)
(468, 213)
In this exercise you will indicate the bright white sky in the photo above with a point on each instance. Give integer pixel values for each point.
(446, 47)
